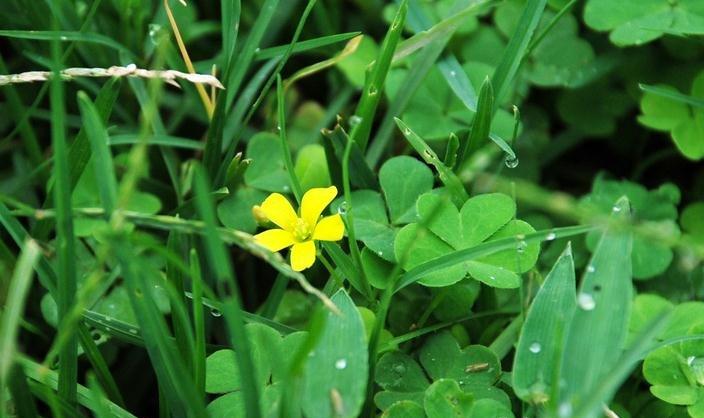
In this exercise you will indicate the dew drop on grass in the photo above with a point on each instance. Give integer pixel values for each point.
(406, 131)
(343, 208)
(133, 331)
(616, 209)
(511, 162)
(591, 269)
(535, 348)
(355, 120)
(216, 313)
(586, 301)
(551, 236)
(690, 360)
(564, 410)
(453, 73)
(372, 90)
(341, 364)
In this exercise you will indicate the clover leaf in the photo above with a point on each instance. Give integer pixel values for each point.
(402, 179)
(684, 123)
(482, 218)
(636, 22)
(222, 376)
(656, 207)
(473, 371)
(676, 373)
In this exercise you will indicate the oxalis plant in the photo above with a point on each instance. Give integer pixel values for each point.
(339, 209)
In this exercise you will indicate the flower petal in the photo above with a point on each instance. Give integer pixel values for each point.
(302, 255)
(279, 211)
(314, 201)
(330, 228)
(275, 239)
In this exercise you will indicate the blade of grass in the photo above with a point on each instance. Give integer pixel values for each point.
(99, 366)
(285, 149)
(41, 374)
(604, 301)
(66, 285)
(304, 46)
(414, 78)
(25, 407)
(481, 126)
(516, 49)
(20, 284)
(447, 176)
(65, 36)
(543, 33)
(230, 28)
(232, 305)
(198, 324)
(484, 249)
(165, 140)
(374, 83)
(672, 95)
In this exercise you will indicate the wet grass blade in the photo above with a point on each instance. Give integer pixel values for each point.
(230, 25)
(541, 343)
(516, 49)
(374, 84)
(603, 301)
(65, 36)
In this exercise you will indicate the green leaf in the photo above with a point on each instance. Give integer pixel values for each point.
(636, 22)
(337, 365)
(489, 408)
(404, 409)
(541, 343)
(267, 171)
(684, 122)
(403, 179)
(474, 366)
(311, 167)
(603, 301)
(236, 211)
(354, 65)
(444, 398)
(482, 218)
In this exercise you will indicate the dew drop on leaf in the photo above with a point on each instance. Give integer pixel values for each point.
(535, 348)
(586, 301)
(551, 236)
(591, 269)
(341, 364)
(511, 162)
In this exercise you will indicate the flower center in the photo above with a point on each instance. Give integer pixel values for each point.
(301, 230)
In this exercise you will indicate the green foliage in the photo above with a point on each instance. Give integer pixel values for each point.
(467, 142)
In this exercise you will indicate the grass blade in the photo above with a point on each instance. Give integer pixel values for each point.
(447, 176)
(304, 46)
(516, 49)
(541, 343)
(481, 127)
(231, 307)
(64, 36)
(672, 95)
(374, 85)
(66, 284)
(604, 301)
(20, 284)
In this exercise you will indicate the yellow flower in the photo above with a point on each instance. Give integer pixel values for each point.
(299, 231)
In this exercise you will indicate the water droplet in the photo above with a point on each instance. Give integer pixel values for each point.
(511, 162)
(521, 246)
(355, 120)
(535, 348)
(380, 254)
(257, 50)
(216, 313)
(453, 73)
(372, 90)
(406, 131)
(399, 369)
(690, 360)
(591, 269)
(63, 38)
(564, 410)
(286, 188)
(551, 236)
(341, 364)
(586, 301)
(343, 208)
(616, 209)
(492, 278)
